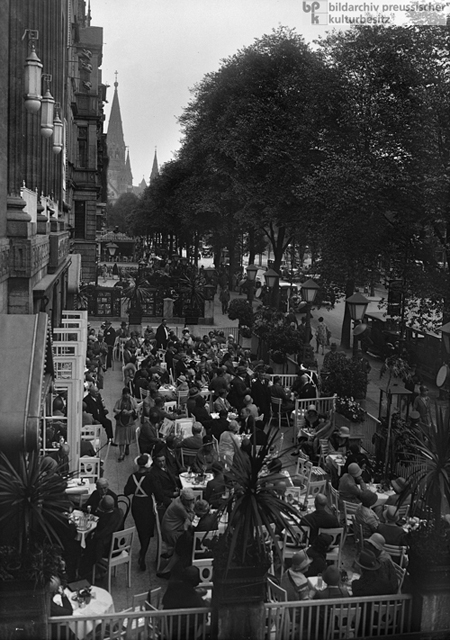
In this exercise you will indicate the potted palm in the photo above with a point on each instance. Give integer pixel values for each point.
(429, 555)
(31, 504)
(191, 287)
(135, 294)
(242, 554)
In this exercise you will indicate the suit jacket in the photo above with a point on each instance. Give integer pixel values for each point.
(94, 500)
(214, 491)
(192, 442)
(95, 406)
(162, 336)
(109, 336)
(164, 484)
(238, 392)
(108, 523)
(261, 396)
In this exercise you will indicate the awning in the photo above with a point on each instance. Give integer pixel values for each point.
(25, 350)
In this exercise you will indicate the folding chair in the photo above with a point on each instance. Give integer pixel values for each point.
(398, 553)
(349, 512)
(276, 404)
(334, 554)
(89, 468)
(120, 553)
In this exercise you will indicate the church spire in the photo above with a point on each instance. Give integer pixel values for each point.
(155, 169)
(119, 167)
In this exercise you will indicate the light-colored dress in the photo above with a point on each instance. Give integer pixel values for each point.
(125, 424)
(227, 447)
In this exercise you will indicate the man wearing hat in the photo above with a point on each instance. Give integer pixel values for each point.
(365, 516)
(351, 484)
(399, 485)
(99, 541)
(190, 404)
(307, 383)
(162, 335)
(372, 581)
(294, 580)
(109, 336)
(178, 517)
(195, 441)
(390, 530)
(219, 382)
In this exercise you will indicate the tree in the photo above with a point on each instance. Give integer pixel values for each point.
(120, 213)
(257, 123)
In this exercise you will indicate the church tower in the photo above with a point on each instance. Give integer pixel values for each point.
(120, 179)
(155, 169)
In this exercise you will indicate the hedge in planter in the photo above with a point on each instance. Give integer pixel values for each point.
(344, 378)
(242, 311)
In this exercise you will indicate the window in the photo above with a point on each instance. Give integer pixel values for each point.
(82, 147)
(80, 220)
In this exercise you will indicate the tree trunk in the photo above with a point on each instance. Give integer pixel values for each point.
(347, 322)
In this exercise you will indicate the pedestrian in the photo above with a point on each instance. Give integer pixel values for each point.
(139, 485)
(109, 337)
(225, 299)
(321, 336)
(126, 413)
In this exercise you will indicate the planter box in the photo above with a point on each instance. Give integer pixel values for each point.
(277, 367)
(240, 584)
(23, 607)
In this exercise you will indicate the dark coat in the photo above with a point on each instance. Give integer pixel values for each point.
(164, 484)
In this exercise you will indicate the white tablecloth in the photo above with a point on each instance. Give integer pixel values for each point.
(337, 461)
(99, 605)
(190, 482)
(382, 495)
(81, 532)
(75, 487)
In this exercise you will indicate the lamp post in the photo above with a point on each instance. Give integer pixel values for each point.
(252, 270)
(112, 248)
(357, 305)
(309, 291)
(272, 278)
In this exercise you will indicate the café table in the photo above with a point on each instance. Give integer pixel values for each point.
(100, 604)
(314, 582)
(193, 481)
(336, 460)
(78, 487)
(167, 391)
(382, 495)
(85, 525)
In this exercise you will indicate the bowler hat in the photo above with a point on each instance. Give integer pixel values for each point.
(367, 560)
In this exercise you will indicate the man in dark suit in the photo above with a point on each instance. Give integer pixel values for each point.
(109, 336)
(102, 490)
(238, 389)
(99, 542)
(261, 395)
(162, 335)
(321, 518)
(96, 406)
(215, 488)
(195, 441)
(277, 391)
(165, 485)
(219, 425)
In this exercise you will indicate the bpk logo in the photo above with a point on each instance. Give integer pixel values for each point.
(318, 10)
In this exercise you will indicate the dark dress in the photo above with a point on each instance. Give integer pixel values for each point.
(139, 485)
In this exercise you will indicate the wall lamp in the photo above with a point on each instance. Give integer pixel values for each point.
(33, 74)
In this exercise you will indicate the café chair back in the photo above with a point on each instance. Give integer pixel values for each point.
(334, 498)
(398, 554)
(200, 550)
(187, 456)
(170, 406)
(335, 551)
(182, 398)
(156, 597)
(303, 470)
(279, 621)
(276, 412)
(295, 538)
(403, 511)
(124, 504)
(349, 512)
(400, 573)
(293, 495)
(386, 619)
(92, 433)
(120, 553)
(344, 622)
(158, 534)
(324, 451)
(316, 486)
(358, 533)
(89, 468)
(205, 566)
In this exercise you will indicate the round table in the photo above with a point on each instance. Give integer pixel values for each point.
(189, 481)
(381, 495)
(100, 604)
(82, 532)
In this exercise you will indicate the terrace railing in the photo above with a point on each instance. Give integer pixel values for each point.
(313, 619)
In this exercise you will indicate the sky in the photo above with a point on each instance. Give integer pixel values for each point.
(162, 48)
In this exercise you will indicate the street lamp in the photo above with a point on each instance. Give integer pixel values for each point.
(252, 270)
(272, 278)
(309, 291)
(112, 248)
(357, 306)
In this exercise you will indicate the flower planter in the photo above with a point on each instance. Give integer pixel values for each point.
(23, 606)
(240, 584)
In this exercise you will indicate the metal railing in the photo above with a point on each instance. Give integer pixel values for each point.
(312, 619)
